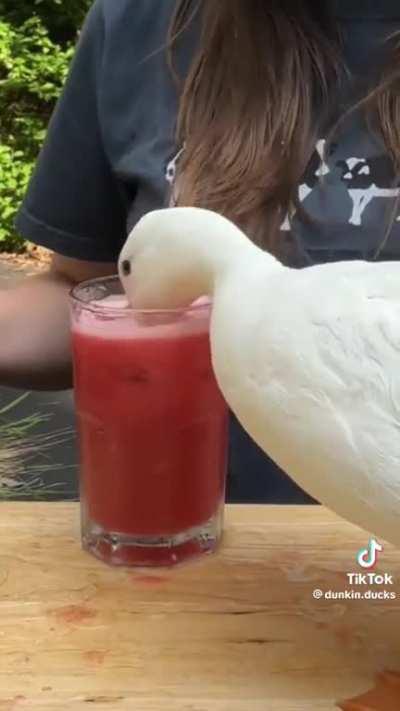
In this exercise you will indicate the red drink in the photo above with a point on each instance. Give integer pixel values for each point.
(153, 433)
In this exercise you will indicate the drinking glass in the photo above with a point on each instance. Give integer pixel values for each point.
(153, 429)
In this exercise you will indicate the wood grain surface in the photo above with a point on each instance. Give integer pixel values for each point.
(237, 631)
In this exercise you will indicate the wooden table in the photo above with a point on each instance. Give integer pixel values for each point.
(238, 631)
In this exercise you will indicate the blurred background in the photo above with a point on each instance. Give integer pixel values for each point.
(37, 38)
(36, 45)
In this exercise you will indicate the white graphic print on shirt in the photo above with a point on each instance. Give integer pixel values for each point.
(365, 183)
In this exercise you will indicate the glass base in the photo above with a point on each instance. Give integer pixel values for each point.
(152, 551)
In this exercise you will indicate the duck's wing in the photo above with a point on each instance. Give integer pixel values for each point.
(351, 324)
(331, 343)
(354, 360)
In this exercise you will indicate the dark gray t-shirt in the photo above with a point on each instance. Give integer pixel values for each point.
(110, 156)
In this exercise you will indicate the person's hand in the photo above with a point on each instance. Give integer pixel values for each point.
(35, 343)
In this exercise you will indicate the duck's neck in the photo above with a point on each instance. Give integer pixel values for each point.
(213, 258)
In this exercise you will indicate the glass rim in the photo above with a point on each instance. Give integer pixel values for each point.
(93, 307)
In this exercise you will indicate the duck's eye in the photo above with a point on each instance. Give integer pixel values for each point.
(126, 267)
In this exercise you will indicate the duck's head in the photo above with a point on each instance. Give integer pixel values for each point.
(174, 256)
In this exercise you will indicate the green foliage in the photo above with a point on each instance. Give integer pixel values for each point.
(36, 46)
(15, 170)
(60, 17)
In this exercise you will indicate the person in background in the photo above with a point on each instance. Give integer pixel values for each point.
(284, 116)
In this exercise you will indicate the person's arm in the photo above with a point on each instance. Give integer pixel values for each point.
(35, 350)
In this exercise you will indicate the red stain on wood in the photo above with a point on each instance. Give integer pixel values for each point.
(322, 625)
(349, 637)
(385, 696)
(149, 579)
(95, 656)
(345, 635)
(11, 704)
(74, 614)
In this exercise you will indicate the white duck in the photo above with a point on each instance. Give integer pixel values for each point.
(308, 360)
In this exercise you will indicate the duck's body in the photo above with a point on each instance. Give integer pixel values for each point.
(309, 361)
(320, 384)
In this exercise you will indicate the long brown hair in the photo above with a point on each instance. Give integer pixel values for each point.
(253, 102)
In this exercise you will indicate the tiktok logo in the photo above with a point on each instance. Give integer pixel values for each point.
(368, 557)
